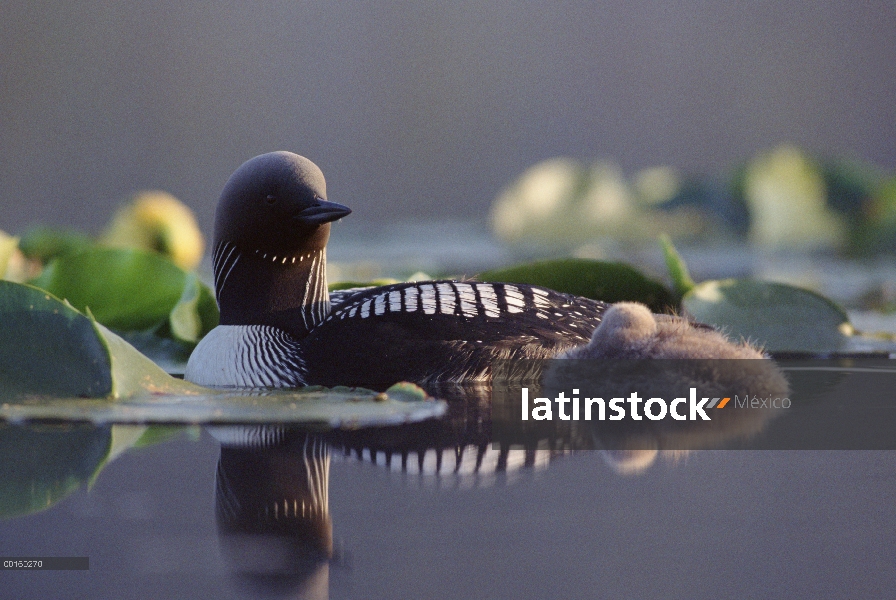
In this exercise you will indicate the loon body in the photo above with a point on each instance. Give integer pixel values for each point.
(445, 331)
(279, 327)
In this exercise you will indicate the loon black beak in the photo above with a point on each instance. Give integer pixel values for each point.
(322, 212)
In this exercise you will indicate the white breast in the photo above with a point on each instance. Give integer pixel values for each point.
(246, 356)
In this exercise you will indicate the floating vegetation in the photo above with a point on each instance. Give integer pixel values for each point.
(316, 408)
(598, 280)
(784, 198)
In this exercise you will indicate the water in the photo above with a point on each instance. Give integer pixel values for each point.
(704, 524)
(710, 524)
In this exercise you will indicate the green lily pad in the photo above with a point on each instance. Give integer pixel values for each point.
(775, 316)
(136, 291)
(49, 348)
(124, 289)
(599, 280)
(46, 243)
(314, 407)
(46, 347)
(162, 348)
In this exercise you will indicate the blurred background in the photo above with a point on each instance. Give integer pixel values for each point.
(422, 110)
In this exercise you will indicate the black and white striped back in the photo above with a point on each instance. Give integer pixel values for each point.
(435, 331)
(468, 300)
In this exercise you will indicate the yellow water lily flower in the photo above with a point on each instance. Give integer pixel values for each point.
(156, 220)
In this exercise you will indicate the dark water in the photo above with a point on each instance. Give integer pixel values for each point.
(712, 524)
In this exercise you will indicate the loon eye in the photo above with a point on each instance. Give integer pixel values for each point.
(270, 199)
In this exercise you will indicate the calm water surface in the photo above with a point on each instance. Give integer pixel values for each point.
(713, 524)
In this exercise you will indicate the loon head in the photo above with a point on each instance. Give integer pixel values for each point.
(277, 203)
(272, 225)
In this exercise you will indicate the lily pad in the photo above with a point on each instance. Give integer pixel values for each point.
(133, 290)
(46, 243)
(599, 280)
(162, 348)
(315, 407)
(49, 348)
(124, 289)
(775, 316)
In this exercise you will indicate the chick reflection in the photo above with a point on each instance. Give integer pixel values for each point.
(271, 506)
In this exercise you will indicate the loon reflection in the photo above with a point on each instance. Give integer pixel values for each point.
(457, 450)
(272, 511)
(271, 492)
(271, 495)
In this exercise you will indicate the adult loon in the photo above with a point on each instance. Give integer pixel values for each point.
(278, 328)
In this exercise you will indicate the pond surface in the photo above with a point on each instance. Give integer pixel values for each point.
(711, 524)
